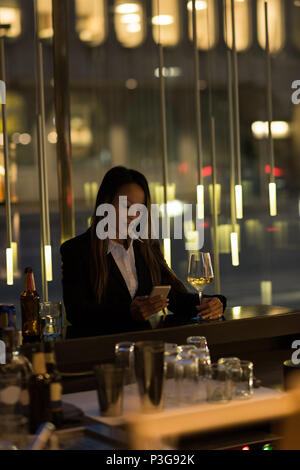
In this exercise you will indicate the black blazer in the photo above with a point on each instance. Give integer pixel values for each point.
(112, 315)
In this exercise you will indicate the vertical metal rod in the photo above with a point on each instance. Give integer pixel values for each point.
(236, 97)
(231, 143)
(231, 125)
(43, 128)
(42, 209)
(269, 95)
(62, 117)
(215, 209)
(6, 153)
(40, 115)
(163, 122)
(215, 238)
(197, 98)
(209, 63)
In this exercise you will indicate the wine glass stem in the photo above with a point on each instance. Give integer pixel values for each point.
(200, 297)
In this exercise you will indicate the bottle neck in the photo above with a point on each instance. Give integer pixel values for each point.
(38, 363)
(29, 284)
(50, 362)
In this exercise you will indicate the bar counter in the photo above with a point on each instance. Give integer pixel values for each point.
(262, 334)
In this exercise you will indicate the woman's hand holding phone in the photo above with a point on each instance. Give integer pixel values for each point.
(142, 308)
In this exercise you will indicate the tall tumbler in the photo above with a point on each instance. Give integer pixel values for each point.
(149, 371)
(110, 381)
(124, 358)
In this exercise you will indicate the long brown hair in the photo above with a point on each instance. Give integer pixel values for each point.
(150, 249)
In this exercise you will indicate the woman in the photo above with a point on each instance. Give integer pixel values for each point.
(107, 282)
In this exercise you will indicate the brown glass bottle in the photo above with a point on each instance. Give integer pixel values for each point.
(30, 309)
(39, 390)
(55, 385)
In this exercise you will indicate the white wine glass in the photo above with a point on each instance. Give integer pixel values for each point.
(200, 272)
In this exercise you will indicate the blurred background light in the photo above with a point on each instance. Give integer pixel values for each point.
(280, 129)
(276, 23)
(207, 23)
(45, 28)
(91, 21)
(129, 23)
(165, 22)
(243, 24)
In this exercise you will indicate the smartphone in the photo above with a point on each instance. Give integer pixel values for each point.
(160, 290)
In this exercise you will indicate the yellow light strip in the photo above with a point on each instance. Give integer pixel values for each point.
(14, 247)
(273, 199)
(266, 292)
(234, 249)
(9, 267)
(239, 201)
(48, 262)
(167, 251)
(200, 201)
(236, 312)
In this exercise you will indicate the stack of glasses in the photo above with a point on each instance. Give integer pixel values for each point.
(168, 375)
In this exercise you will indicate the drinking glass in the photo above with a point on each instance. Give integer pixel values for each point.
(149, 370)
(199, 341)
(202, 357)
(170, 360)
(124, 358)
(110, 382)
(171, 347)
(51, 320)
(244, 383)
(218, 383)
(183, 348)
(233, 365)
(200, 272)
(186, 379)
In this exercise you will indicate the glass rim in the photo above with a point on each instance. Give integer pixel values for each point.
(124, 344)
(228, 359)
(196, 336)
(186, 346)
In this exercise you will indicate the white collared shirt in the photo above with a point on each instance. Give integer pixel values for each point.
(125, 261)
